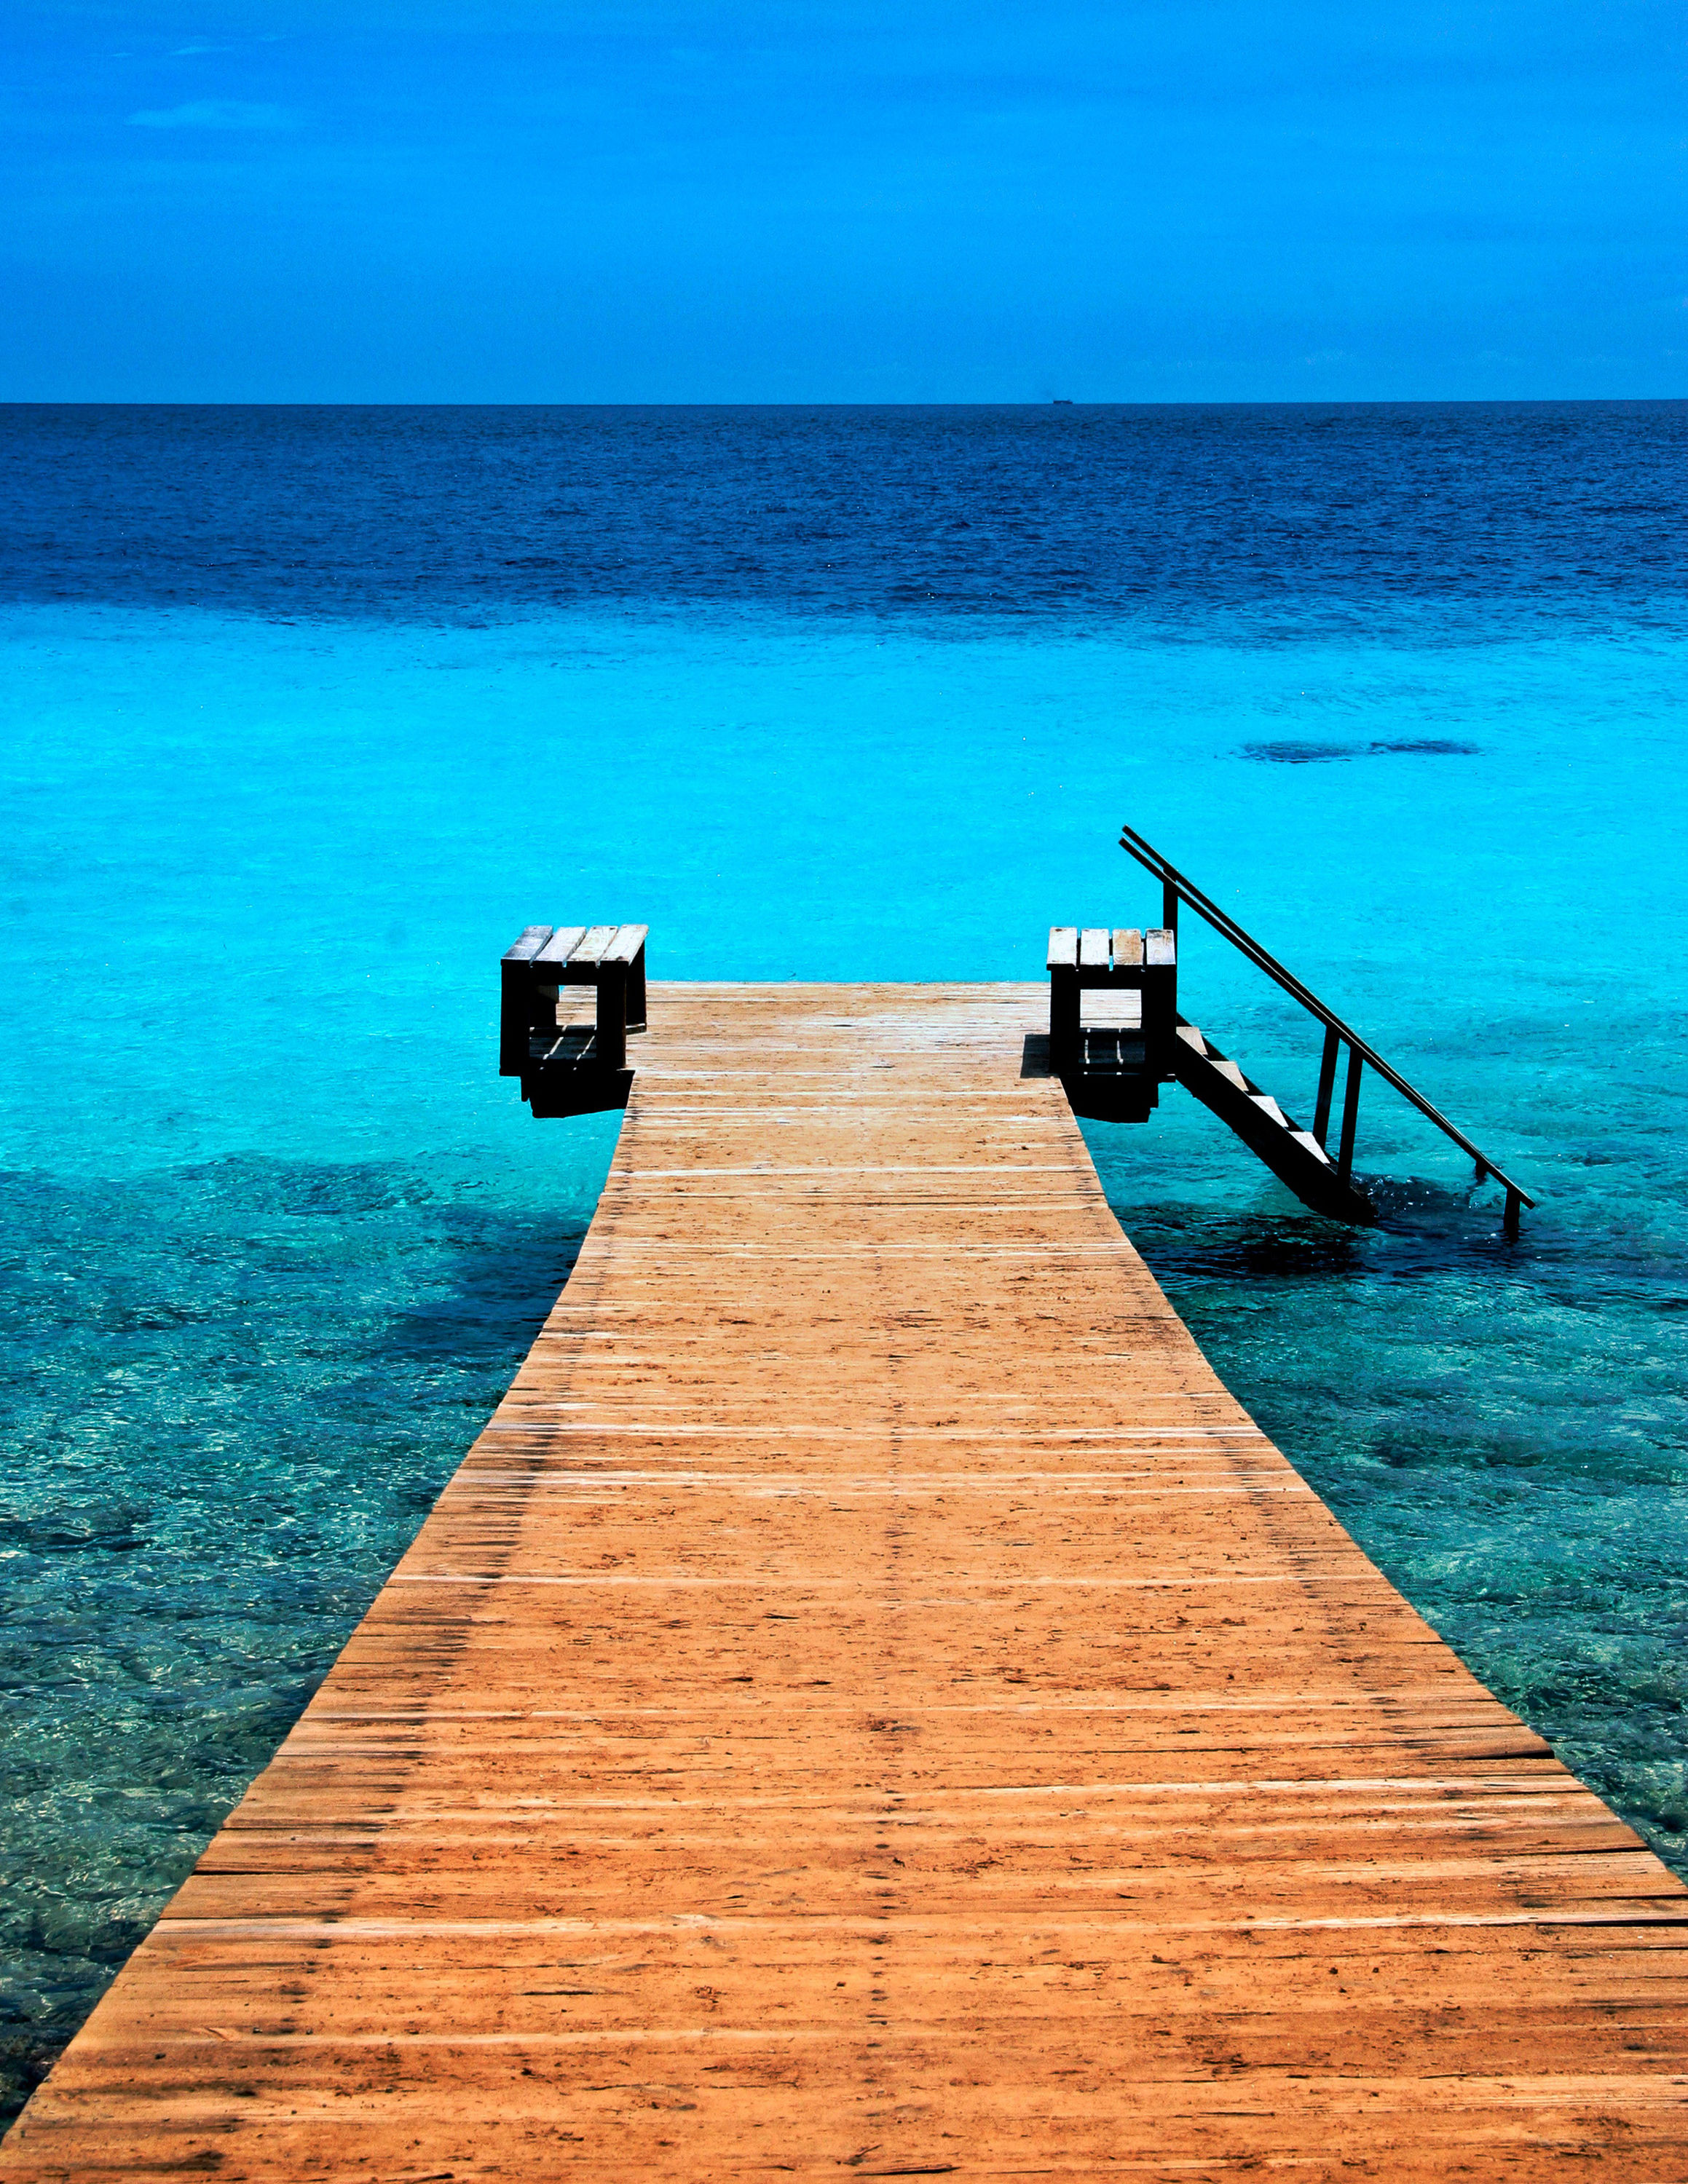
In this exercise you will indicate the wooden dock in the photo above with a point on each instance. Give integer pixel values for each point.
(871, 1701)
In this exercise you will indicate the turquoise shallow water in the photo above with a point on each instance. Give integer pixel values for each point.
(276, 1233)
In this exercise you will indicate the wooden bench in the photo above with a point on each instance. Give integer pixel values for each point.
(1084, 958)
(578, 1065)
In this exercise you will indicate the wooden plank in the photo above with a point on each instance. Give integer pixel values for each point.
(872, 1702)
(559, 947)
(534, 938)
(1063, 948)
(1092, 948)
(625, 944)
(1160, 947)
(1128, 949)
(592, 944)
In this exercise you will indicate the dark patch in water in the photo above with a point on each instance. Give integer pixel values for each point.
(1298, 754)
(1293, 752)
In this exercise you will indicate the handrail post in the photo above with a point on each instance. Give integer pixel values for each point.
(1514, 1199)
(1169, 907)
(1350, 1114)
(1322, 1111)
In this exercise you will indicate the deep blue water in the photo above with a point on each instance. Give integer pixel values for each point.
(1343, 516)
(308, 711)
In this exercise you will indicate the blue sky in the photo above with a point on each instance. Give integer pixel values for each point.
(843, 200)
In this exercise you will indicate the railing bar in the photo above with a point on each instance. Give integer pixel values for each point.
(1175, 883)
(1175, 880)
(1322, 1113)
(1291, 985)
(1350, 1115)
(1228, 928)
(1172, 878)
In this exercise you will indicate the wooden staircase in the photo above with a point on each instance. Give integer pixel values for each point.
(1112, 1073)
(1294, 1155)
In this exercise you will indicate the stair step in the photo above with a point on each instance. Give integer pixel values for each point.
(1295, 1155)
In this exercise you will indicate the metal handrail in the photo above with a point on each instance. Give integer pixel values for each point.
(1178, 888)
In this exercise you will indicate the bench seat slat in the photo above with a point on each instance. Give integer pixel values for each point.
(561, 945)
(593, 943)
(625, 947)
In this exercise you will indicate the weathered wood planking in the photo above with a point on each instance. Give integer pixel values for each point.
(871, 1700)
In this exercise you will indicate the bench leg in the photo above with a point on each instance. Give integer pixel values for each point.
(1065, 1040)
(635, 994)
(515, 981)
(612, 1016)
(525, 1007)
(1159, 1018)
